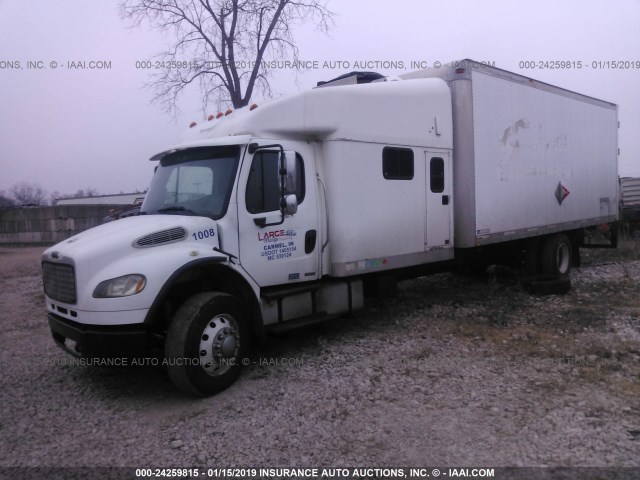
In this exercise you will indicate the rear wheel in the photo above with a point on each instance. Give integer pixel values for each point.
(557, 253)
(206, 342)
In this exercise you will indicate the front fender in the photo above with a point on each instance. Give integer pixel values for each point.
(225, 278)
(156, 264)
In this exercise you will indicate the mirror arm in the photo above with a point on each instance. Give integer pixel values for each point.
(262, 221)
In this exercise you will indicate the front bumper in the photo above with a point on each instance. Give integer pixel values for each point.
(93, 341)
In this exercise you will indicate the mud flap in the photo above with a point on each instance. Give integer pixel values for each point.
(547, 284)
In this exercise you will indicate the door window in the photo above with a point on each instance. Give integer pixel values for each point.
(436, 172)
(263, 186)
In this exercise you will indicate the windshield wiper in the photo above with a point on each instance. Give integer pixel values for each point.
(175, 208)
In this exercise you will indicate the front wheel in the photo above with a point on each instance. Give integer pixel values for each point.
(205, 344)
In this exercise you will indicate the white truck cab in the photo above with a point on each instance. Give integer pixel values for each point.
(272, 217)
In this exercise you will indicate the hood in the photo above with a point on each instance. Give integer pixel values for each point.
(125, 232)
(114, 249)
(96, 247)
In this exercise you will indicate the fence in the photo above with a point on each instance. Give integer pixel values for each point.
(48, 225)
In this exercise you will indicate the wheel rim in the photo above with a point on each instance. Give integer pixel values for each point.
(219, 345)
(563, 258)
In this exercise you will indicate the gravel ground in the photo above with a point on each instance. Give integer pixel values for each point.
(454, 371)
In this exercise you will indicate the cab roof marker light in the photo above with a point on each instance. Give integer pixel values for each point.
(229, 111)
(253, 106)
(210, 117)
(459, 70)
(193, 124)
(220, 114)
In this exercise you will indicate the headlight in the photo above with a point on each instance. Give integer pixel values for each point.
(121, 287)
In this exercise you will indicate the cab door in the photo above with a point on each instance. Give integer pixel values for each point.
(439, 200)
(274, 251)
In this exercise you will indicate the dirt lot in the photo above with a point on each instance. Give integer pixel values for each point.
(455, 371)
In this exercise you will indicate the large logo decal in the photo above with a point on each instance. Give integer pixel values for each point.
(277, 244)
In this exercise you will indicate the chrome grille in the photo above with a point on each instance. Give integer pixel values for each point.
(158, 238)
(59, 281)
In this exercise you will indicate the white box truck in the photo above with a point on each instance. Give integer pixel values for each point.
(280, 215)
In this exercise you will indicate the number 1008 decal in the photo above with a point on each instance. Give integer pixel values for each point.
(202, 234)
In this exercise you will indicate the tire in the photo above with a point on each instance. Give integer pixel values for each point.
(206, 341)
(557, 254)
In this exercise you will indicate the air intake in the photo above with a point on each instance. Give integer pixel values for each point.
(162, 237)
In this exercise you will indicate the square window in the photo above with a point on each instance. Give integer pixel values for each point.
(397, 163)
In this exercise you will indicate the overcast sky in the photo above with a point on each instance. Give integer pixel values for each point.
(70, 129)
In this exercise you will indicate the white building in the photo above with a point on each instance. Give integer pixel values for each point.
(118, 199)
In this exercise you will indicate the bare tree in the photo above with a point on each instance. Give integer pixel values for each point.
(25, 193)
(54, 197)
(222, 44)
(88, 192)
(4, 200)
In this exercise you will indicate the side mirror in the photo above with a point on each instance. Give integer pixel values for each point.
(290, 204)
(290, 173)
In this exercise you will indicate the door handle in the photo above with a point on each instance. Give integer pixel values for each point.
(309, 241)
(445, 199)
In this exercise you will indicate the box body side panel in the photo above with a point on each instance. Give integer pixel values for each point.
(542, 159)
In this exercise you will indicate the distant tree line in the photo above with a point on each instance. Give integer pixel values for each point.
(32, 194)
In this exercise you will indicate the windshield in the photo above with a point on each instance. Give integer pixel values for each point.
(194, 181)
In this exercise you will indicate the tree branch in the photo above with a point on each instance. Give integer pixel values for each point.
(222, 43)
